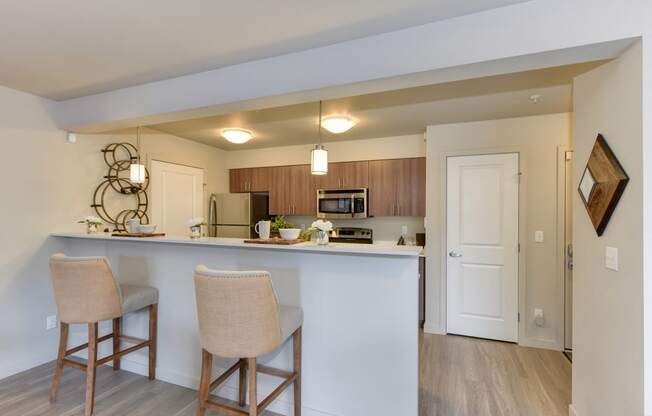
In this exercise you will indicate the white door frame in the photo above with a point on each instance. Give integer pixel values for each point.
(522, 192)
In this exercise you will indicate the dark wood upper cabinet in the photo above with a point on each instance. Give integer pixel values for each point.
(397, 187)
(345, 175)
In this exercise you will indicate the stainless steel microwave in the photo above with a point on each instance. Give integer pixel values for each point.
(342, 203)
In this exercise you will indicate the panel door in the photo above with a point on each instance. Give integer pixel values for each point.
(411, 190)
(303, 195)
(383, 183)
(177, 194)
(482, 246)
(239, 180)
(259, 179)
(354, 174)
(279, 190)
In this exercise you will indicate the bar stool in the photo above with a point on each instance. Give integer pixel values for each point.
(86, 292)
(239, 317)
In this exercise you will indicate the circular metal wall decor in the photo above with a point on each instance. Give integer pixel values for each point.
(119, 157)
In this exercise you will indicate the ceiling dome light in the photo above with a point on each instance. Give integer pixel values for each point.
(337, 124)
(237, 136)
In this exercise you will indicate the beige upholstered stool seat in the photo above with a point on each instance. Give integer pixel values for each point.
(291, 319)
(137, 297)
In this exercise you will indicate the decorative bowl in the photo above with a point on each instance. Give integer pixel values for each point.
(146, 228)
(289, 233)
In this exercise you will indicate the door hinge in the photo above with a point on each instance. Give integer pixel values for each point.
(519, 177)
(518, 317)
(519, 247)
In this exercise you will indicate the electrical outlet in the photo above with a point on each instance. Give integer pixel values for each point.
(538, 236)
(539, 319)
(404, 230)
(51, 322)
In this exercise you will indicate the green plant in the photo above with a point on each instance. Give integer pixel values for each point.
(280, 222)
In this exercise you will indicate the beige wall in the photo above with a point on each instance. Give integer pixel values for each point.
(47, 186)
(537, 139)
(608, 305)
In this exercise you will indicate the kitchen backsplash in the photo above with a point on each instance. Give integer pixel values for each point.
(385, 228)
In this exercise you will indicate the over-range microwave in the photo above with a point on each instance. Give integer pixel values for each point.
(342, 203)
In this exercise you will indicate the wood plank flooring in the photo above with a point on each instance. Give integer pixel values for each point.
(458, 377)
(462, 376)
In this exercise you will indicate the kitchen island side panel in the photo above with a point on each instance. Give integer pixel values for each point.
(360, 333)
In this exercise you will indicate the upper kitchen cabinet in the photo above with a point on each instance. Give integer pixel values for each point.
(292, 191)
(345, 175)
(397, 187)
(249, 180)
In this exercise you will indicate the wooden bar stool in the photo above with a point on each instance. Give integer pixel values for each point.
(239, 317)
(86, 292)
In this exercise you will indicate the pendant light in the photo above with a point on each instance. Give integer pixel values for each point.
(137, 170)
(319, 155)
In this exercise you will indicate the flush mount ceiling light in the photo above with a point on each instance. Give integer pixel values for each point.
(338, 124)
(237, 136)
(319, 155)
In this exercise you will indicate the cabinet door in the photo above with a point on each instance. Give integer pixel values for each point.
(329, 181)
(383, 183)
(259, 179)
(239, 180)
(354, 174)
(303, 200)
(411, 191)
(279, 190)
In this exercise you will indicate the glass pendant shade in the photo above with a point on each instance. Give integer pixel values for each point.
(137, 173)
(319, 160)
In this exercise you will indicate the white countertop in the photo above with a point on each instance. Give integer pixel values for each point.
(377, 249)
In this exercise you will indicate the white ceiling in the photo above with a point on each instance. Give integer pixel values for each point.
(69, 48)
(395, 113)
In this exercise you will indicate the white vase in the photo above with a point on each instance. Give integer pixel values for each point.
(322, 238)
(195, 232)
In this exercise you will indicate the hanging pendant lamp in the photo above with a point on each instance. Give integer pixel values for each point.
(319, 155)
(137, 170)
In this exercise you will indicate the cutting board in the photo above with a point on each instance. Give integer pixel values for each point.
(274, 241)
(138, 235)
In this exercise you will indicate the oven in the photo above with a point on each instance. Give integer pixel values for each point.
(342, 203)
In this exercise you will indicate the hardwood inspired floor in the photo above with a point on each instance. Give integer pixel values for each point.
(458, 377)
(462, 376)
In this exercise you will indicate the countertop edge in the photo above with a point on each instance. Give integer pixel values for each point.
(333, 248)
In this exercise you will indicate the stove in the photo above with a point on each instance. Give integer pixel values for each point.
(352, 235)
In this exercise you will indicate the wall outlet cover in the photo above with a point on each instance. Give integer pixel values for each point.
(539, 319)
(51, 322)
(538, 236)
(611, 258)
(404, 230)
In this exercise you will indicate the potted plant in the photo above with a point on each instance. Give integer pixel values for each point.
(92, 224)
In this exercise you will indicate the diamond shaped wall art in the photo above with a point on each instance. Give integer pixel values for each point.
(603, 183)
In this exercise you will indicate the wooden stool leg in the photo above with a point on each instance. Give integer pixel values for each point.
(253, 399)
(296, 346)
(242, 388)
(205, 381)
(153, 329)
(117, 324)
(90, 368)
(63, 345)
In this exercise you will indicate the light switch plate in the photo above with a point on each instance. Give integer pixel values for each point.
(611, 258)
(51, 322)
(404, 230)
(538, 236)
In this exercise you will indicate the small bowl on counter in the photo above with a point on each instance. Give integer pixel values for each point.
(146, 228)
(289, 233)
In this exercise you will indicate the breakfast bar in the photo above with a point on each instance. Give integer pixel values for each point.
(360, 333)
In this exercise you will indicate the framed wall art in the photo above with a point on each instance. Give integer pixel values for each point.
(602, 184)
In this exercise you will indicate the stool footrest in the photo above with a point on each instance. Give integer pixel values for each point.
(132, 340)
(74, 364)
(225, 409)
(121, 353)
(84, 346)
(221, 379)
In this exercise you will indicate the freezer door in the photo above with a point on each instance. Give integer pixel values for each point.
(233, 209)
(234, 231)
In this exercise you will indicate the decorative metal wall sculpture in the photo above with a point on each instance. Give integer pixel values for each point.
(118, 157)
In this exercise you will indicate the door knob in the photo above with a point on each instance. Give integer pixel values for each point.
(454, 253)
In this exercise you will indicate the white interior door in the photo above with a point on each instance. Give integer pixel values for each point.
(177, 195)
(482, 246)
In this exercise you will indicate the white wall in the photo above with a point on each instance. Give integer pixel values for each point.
(385, 228)
(537, 140)
(607, 305)
(48, 185)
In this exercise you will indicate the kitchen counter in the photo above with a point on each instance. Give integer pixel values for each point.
(360, 303)
(384, 248)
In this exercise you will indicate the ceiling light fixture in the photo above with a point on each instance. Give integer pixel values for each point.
(338, 124)
(535, 98)
(319, 155)
(137, 170)
(237, 136)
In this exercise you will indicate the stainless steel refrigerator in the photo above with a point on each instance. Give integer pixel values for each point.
(234, 215)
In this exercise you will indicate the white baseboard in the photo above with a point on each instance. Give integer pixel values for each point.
(572, 411)
(540, 343)
(433, 329)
